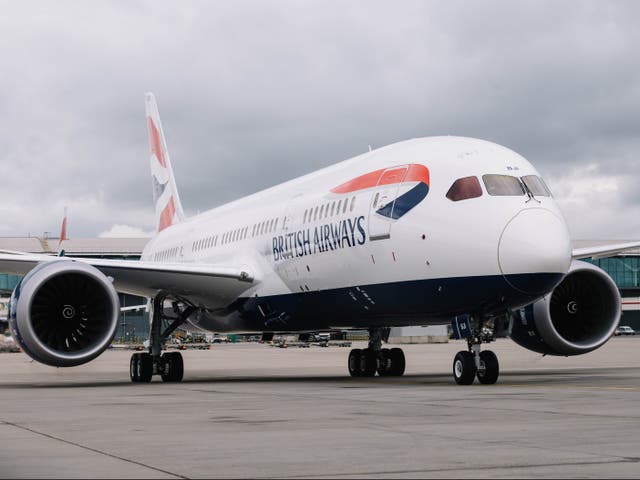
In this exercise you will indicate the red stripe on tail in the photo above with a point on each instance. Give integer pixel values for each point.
(166, 217)
(155, 143)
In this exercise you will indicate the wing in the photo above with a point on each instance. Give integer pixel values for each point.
(604, 250)
(217, 285)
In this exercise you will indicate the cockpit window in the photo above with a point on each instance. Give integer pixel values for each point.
(464, 188)
(503, 185)
(536, 186)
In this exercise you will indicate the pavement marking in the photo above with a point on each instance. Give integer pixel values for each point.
(463, 469)
(94, 450)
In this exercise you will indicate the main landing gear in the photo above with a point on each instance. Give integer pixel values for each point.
(386, 362)
(467, 365)
(144, 365)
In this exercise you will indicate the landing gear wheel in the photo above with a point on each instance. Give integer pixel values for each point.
(398, 362)
(362, 363)
(489, 369)
(354, 362)
(464, 368)
(391, 363)
(141, 368)
(385, 363)
(368, 363)
(133, 368)
(172, 367)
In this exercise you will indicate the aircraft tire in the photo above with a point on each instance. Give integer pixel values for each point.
(145, 367)
(488, 375)
(398, 362)
(133, 368)
(368, 363)
(464, 368)
(385, 363)
(173, 367)
(354, 362)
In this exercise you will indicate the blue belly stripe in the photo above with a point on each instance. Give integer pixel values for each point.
(418, 302)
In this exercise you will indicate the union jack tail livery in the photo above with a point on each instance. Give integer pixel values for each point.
(165, 193)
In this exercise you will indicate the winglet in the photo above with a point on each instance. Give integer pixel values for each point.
(165, 193)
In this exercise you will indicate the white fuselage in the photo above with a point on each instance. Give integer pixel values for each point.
(324, 253)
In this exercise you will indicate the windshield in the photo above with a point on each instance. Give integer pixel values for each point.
(536, 186)
(503, 185)
(464, 188)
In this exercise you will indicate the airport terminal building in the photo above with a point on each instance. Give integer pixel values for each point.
(134, 325)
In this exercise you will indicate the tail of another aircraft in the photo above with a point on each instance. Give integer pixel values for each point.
(165, 193)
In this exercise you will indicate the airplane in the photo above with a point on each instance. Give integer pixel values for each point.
(428, 231)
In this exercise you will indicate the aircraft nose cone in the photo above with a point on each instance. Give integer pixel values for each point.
(534, 252)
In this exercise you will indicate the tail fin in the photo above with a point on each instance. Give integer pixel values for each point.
(63, 229)
(165, 193)
(63, 233)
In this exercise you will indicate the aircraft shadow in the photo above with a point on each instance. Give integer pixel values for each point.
(625, 375)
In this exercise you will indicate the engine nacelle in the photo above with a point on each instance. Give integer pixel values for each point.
(579, 316)
(64, 313)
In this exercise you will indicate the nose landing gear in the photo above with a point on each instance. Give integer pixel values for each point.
(467, 365)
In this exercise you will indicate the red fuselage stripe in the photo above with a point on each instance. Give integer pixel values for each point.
(414, 173)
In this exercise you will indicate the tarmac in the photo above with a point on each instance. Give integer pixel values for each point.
(254, 411)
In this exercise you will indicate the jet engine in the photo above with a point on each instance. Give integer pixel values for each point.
(578, 316)
(64, 313)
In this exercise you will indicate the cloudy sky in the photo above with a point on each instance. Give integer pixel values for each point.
(253, 93)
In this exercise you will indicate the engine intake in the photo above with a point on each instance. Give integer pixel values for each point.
(64, 313)
(579, 316)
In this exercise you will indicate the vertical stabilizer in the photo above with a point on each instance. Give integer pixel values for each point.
(63, 234)
(63, 229)
(165, 193)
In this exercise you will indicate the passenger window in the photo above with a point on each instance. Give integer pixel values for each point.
(315, 214)
(536, 186)
(338, 209)
(276, 225)
(304, 219)
(503, 185)
(346, 202)
(353, 203)
(464, 188)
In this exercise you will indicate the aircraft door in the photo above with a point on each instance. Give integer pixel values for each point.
(385, 195)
